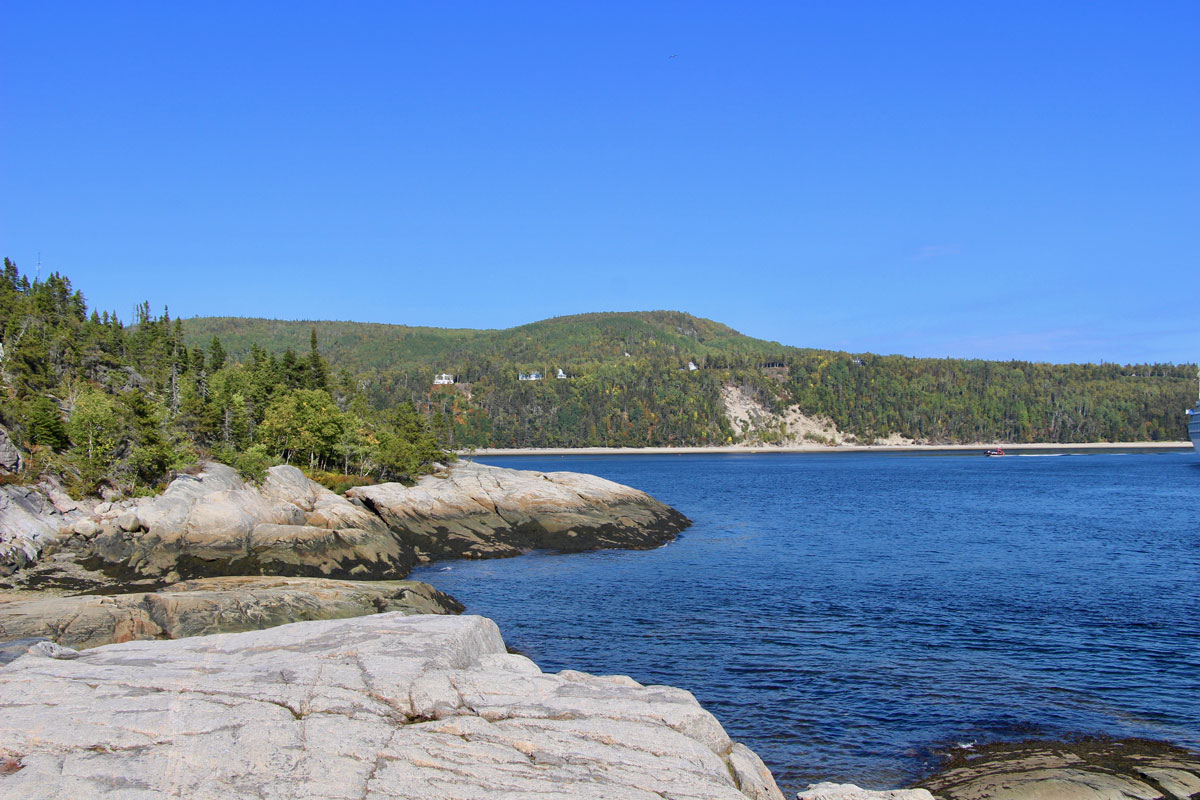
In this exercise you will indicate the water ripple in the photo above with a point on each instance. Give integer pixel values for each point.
(849, 617)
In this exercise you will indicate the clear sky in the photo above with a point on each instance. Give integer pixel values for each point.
(981, 179)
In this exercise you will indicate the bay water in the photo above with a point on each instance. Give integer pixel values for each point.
(852, 616)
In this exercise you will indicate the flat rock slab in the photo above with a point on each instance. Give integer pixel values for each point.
(384, 706)
(1088, 769)
(210, 605)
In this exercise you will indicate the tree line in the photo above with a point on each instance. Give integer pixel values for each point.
(629, 384)
(105, 405)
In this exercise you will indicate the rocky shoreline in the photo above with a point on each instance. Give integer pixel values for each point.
(256, 641)
(210, 605)
(1087, 768)
(212, 524)
(1043, 770)
(381, 706)
(213, 554)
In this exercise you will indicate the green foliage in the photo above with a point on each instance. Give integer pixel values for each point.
(253, 462)
(650, 397)
(305, 424)
(216, 355)
(96, 431)
(318, 371)
(339, 482)
(101, 403)
(406, 446)
(952, 400)
(142, 402)
(45, 424)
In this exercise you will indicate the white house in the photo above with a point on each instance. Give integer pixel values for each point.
(529, 376)
(692, 366)
(561, 375)
(443, 379)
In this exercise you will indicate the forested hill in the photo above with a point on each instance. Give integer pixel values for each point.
(630, 382)
(109, 407)
(579, 339)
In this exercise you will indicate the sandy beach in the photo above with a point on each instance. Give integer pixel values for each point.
(1014, 449)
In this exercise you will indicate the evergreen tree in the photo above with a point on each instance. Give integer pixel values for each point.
(152, 455)
(216, 356)
(406, 447)
(318, 370)
(46, 424)
(196, 360)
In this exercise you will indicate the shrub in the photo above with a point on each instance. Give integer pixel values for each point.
(337, 482)
(253, 462)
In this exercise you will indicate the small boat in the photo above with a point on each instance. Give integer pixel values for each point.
(999, 451)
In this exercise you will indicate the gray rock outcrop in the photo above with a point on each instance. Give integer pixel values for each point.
(1089, 769)
(384, 706)
(10, 456)
(212, 523)
(479, 511)
(210, 605)
(31, 519)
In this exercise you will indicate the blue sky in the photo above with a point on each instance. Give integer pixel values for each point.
(995, 180)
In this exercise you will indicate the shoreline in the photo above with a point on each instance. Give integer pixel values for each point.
(1042, 447)
(943, 774)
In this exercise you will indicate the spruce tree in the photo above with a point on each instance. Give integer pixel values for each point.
(196, 358)
(216, 355)
(46, 424)
(318, 370)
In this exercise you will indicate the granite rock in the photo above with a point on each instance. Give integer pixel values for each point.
(1087, 769)
(31, 518)
(10, 456)
(212, 524)
(477, 511)
(383, 706)
(210, 605)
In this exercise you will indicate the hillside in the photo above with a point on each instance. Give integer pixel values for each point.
(579, 339)
(629, 384)
(106, 407)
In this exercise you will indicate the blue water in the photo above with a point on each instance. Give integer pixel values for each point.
(848, 616)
